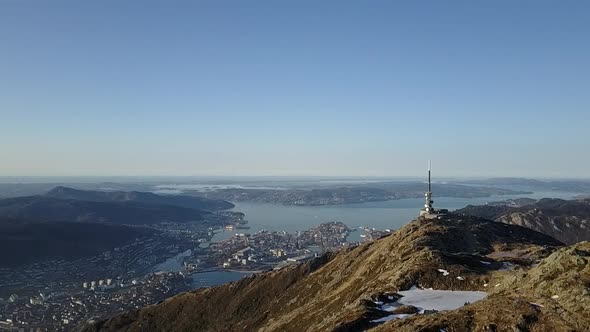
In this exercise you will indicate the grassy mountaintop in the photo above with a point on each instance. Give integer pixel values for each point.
(336, 291)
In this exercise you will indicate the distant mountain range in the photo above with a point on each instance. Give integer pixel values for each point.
(42, 208)
(66, 204)
(565, 220)
(372, 192)
(190, 202)
(68, 223)
(576, 186)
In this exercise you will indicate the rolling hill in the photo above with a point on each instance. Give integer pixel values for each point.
(23, 241)
(184, 201)
(119, 207)
(44, 208)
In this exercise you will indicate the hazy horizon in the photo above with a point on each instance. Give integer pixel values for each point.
(56, 179)
(266, 88)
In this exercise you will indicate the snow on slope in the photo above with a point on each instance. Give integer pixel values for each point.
(430, 299)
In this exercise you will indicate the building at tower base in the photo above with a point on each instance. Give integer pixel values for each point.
(428, 211)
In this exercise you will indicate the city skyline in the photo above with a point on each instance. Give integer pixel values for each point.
(294, 89)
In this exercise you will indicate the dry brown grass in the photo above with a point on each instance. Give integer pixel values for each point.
(332, 293)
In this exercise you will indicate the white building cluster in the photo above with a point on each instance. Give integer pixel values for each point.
(102, 283)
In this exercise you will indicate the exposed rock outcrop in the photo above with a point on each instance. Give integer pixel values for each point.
(567, 221)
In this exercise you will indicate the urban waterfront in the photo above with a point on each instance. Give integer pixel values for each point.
(186, 256)
(200, 279)
(380, 215)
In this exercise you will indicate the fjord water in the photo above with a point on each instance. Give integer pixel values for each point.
(381, 215)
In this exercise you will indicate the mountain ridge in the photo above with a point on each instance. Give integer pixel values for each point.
(565, 220)
(43, 208)
(185, 201)
(119, 207)
(336, 292)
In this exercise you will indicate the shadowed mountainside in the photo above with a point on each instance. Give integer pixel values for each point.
(70, 224)
(43, 208)
(23, 241)
(336, 291)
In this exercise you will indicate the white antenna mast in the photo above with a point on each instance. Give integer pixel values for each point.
(429, 165)
(428, 209)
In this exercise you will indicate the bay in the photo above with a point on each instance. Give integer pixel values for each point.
(381, 215)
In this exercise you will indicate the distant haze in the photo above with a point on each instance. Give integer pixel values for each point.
(301, 88)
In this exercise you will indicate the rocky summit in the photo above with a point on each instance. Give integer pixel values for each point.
(512, 279)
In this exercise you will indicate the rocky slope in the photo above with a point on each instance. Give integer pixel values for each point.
(567, 221)
(338, 292)
(551, 296)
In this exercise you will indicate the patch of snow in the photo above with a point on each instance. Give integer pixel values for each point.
(485, 285)
(484, 262)
(389, 307)
(555, 297)
(537, 305)
(460, 278)
(426, 299)
(390, 317)
(497, 285)
(444, 272)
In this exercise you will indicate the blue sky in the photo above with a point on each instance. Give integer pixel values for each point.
(367, 88)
